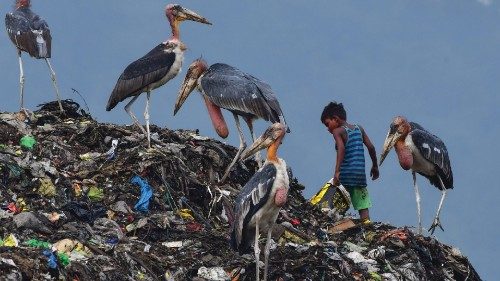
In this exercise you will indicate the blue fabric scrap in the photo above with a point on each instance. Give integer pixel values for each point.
(52, 262)
(146, 193)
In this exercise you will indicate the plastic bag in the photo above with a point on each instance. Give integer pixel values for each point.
(146, 193)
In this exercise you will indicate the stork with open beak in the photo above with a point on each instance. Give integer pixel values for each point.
(30, 34)
(155, 68)
(259, 202)
(423, 153)
(224, 86)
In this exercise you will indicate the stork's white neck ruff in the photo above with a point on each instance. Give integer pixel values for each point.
(174, 46)
(420, 164)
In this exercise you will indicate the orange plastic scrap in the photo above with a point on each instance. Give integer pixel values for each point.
(77, 188)
(13, 208)
(235, 274)
(400, 233)
(358, 276)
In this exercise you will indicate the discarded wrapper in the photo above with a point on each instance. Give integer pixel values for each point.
(333, 197)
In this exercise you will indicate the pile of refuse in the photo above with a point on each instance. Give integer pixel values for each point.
(82, 200)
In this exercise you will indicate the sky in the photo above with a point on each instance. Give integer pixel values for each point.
(434, 61)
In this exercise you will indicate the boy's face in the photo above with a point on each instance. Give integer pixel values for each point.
(332, 123)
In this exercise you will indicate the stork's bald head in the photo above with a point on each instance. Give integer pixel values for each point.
(23, 4)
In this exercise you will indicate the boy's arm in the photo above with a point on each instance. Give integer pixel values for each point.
(373, 155)
(337, 135)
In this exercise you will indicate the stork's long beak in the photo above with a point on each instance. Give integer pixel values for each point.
(186, 14)
(273, 133)
(190, 82)
(389, 143)
(262, 142)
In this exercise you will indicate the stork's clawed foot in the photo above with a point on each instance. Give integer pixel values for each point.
(27, 114)
(61, 109)
(435, 223)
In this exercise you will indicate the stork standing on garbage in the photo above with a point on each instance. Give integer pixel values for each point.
(423, 153)
(155, 68)
(30, 34)
(259, 202)
(224, 86)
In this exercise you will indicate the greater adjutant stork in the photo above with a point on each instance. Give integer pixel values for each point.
(259, 202)
(423, 153)
(155, 68)
(30, 34)
(225, 86)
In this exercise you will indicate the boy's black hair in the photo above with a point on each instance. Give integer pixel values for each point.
(333, 109)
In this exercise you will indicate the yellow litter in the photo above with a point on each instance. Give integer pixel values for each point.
(289, 236)
(333, 197)
(10, 241)
(47, 188)
(67, 246)
(21, 205)
(185, 214)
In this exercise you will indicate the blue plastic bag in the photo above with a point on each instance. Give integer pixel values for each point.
(52, 262)
(146, 193)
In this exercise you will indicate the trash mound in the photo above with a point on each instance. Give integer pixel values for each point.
(82, 200)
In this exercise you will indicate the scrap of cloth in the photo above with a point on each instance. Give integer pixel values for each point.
(146, 193)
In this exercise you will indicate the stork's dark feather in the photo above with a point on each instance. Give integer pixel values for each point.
(29, 32)
(141, 73)
(252, 197)
(434, 150)
(416, 126)
(241, 93)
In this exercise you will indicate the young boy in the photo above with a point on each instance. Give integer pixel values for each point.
(350, 164)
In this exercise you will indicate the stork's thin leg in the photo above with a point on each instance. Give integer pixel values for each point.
(134, 119)
(21, 79)
(417, 198)
(257, 251)
(266, 251)
(53, 77)
(436, 221)
(243, 145)
(257, 155)
(146, 116)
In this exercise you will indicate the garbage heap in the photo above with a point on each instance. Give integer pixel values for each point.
(82, 200)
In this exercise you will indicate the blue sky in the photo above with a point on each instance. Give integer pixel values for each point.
(434, 61)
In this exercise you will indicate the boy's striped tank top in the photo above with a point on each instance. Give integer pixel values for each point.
(352, 169)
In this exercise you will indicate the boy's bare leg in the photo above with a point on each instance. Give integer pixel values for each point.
(364, 214)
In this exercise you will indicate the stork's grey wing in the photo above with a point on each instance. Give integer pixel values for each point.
(232, 89)
(434, 150)
(149, 69)
(251, 198)
(16, 23)
(24, 31)
(37, 23)
(416, 126)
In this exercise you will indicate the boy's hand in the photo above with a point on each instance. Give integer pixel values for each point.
(336, 179)
(374, 172)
